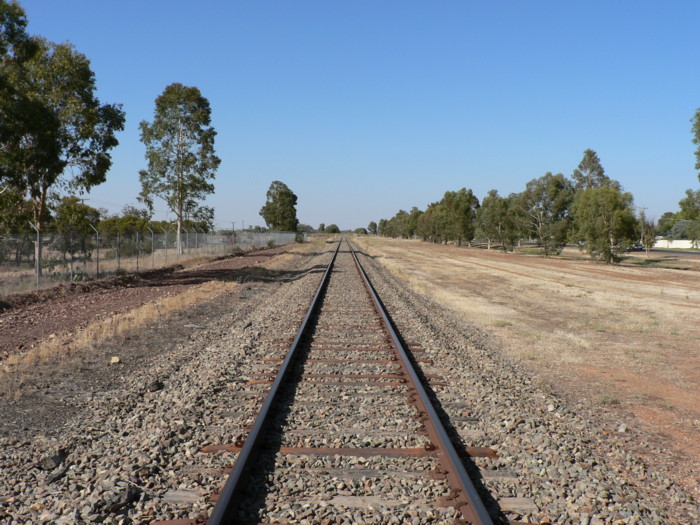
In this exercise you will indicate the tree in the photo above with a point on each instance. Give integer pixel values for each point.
(15, 212)
(74, 215)
(696, 138)
(382, 227)
(681, 229)
(545, 211)
(279, 211)
(604, 221)
(460, 208)
(433, 224)
(59, 90)
(497, 220)
(360, 231)
(332, 228)
(180, 152)
(372, 228)
(665, 223)
(321, 228)
(28, 129)
(689, 206)
(590, 173)
(647, 228)
(132, 211)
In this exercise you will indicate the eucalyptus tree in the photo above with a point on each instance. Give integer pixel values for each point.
(72, 152)
(590, 173)
(433, 224)
(497, 220)
(27, 128)
(460, 208)
(696, 138)
(279, 211)
(544, 207)
(604, 221)
(179, 151)
(372, 228)
(647, 230)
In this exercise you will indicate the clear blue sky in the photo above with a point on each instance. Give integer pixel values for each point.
(366, 107)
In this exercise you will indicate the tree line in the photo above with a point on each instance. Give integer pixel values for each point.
(589, 209)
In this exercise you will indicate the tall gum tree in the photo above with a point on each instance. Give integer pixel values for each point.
(545, 207)
(179, 151)
(604, 221)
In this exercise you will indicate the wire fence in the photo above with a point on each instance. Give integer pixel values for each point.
(73, 257)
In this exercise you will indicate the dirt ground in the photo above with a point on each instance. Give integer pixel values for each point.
(28, 319)
(625, 338)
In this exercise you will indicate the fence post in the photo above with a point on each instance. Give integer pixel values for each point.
(165, 244)
(153, 249)
(37, 253)
(97, 245)
(70, 247)
(137, 251)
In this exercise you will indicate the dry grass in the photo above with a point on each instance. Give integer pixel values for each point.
(629, 333)
(315, 245)
(68, 345)
(58, 348)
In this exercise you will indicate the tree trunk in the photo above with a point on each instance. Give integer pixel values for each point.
(39, 206)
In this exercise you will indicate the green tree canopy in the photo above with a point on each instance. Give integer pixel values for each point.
(279, 211)
(604, 221)
(180, 152)
(62, 137)
(372, 228)
(15, 212)
(545, 207)
(460, 208)
(332, 228)
(690, 206)
(28, 129)
(74, 215)
(590, 172)
(665, 223)
(498, 221)
(647, 229)
(433, 223)
(696, 138)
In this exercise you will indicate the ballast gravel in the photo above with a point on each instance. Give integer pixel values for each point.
(132, 453)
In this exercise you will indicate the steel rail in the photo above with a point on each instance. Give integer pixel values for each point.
(225, 505)
(473, 508)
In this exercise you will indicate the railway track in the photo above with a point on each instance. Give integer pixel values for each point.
(346, 431)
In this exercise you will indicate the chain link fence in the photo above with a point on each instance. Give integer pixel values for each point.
(72, 257)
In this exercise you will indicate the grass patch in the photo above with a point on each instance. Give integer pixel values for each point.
(502, 324)
(608, 400)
